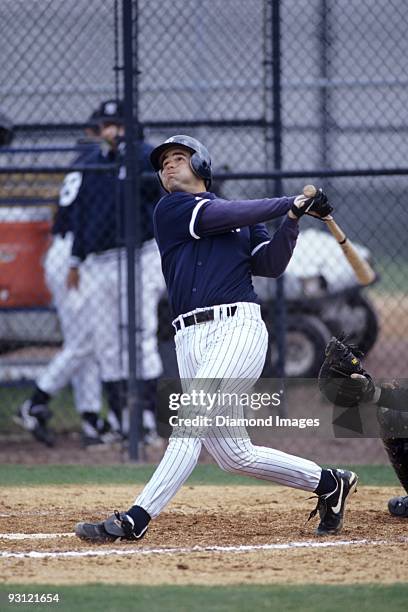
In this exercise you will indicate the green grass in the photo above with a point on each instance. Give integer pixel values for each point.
(239, 598)
(22, 475)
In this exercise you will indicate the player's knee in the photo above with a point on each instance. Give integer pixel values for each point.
(235, 459)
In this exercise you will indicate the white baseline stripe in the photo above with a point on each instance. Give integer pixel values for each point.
(35, 536)
(26, 512)
(197, 549)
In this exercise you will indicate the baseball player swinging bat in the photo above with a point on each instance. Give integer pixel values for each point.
(363, 271)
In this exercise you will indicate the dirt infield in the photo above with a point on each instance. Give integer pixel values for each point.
(269, 522)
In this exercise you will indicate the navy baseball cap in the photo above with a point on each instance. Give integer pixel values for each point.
(110, 110)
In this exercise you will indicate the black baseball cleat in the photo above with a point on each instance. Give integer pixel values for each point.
(34, 418)
(93, 532)
(398, 506)
(331, 505)
(119, 526)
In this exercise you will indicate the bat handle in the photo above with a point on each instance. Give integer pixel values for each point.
(309, 191)
(336, 231)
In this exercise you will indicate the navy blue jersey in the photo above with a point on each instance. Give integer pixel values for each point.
(204, 268)
(64, 216)
(98, 220)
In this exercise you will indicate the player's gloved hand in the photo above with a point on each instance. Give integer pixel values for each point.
(317, 207)
(371, 393)
(342, 379)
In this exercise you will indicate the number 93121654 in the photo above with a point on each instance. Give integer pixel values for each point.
(33, 598)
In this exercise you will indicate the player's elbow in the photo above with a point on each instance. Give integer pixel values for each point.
(278, 271)
(271, 263)
(269, 271)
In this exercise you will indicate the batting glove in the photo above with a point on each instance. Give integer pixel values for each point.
(317, 207)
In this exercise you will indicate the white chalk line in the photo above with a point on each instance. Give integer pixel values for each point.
(193, 549)
(28, 513)
(35, 536)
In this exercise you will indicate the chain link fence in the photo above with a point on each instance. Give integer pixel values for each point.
(282, 93)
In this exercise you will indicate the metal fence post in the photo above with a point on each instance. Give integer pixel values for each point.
(133, 220)
(324, 98)
(280, 304)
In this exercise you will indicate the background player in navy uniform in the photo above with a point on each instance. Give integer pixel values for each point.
(98, 247)
(210, 248)
(91, 330)
(76, 362)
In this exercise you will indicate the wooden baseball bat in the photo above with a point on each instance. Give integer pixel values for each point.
(362, 269)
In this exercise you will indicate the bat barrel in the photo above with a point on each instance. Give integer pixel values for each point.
(362, 269)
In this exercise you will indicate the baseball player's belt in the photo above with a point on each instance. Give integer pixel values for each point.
(201, 317)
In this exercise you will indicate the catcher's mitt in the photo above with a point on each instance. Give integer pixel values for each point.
(335, 377)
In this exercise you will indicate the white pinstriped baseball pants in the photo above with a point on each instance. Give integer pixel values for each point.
(109, 322)
(76, 362)
(230, 349)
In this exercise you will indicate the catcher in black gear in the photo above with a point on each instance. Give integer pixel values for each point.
(344, 382)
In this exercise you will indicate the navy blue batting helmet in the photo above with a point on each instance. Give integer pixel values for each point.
(200, 160)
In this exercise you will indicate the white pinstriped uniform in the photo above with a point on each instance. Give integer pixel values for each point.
(232, 349)
(76, 361)
(109, 322)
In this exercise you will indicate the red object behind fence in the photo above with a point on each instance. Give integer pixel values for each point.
(22, 248)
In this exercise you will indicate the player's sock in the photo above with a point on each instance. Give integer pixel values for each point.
(39, 397)
(91, 418)
(140, 517)
(116, 396)
(147, 390)
(327, 483)
(90, 428)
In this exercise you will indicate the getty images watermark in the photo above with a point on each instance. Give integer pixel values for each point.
(218, 404)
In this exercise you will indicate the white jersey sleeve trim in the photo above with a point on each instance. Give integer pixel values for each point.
(194, 217)
(259, 246)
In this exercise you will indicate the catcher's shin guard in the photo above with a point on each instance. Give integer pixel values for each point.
(119, 526)
(331, 506)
